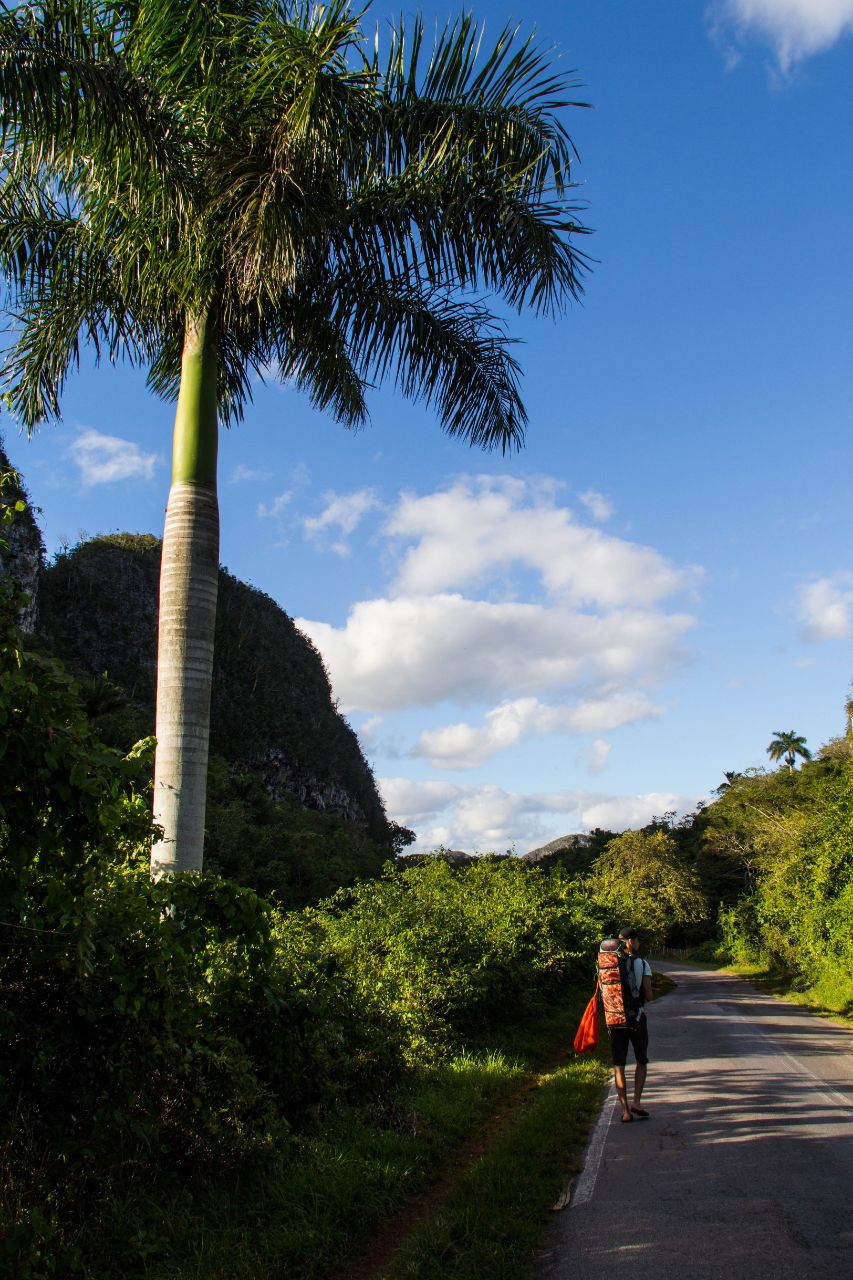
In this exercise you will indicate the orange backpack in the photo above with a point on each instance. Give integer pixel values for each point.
(621, 1006)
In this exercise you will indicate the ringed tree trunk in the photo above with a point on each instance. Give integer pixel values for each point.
(189, 581)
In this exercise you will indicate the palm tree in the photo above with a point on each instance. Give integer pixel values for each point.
(240, 187)
(788, 746)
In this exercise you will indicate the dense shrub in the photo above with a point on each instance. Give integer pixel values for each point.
(442, 949)
(282, 849)
(792, 833)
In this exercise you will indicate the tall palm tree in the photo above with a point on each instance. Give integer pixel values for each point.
(788, 746)
(234, 187)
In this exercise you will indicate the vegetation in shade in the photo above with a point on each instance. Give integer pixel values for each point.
(494, 1221)
(271, 701)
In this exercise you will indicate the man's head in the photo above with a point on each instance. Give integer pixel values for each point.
(630, 937)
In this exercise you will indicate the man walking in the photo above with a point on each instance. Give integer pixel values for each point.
(636, 1033)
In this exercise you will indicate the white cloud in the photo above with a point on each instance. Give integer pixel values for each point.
(462, 746)
(344, 512)
(274, 509)
(485, 818)
(598, 757)
(795, 29)
(104, 459)
(826, 607)
(479, 527)
(420, 650)
(599, 507)
(242, 473)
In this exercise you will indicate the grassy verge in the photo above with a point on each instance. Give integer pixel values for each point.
(831, 999)
(494, 1221)
(496, 1217)
(315, 1208)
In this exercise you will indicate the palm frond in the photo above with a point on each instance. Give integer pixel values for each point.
(306, 345)
(451, 355)
(51, 332)
(64, 85)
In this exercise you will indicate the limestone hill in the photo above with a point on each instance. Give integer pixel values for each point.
(271, 710)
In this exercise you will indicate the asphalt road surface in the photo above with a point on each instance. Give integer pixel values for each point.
(745, 1168)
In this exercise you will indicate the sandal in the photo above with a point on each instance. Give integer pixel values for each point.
(627, 1119)
(638, 1111)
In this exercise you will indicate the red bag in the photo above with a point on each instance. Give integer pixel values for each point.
(586, 1037)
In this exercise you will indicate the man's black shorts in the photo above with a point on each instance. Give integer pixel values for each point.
(636, 1034)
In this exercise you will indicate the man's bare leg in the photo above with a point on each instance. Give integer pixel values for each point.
(639, 1080)
(640, 1072)
(622, 1092)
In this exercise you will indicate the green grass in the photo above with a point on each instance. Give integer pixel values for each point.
(495, 1217)
(830, 997)
(314, 1206)
(317, 1207)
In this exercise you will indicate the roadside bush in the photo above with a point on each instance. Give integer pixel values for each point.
(442, 949)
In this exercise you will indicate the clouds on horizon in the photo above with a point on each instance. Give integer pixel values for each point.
(105, 459)
(795, 29)
(488, 818)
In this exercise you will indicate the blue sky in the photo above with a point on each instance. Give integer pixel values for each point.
(594, 630)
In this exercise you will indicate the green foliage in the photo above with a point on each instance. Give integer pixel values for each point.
(282, 850)
(642, 879)
(787, 746)
(791, 832)
(443, 949)
(264, 169)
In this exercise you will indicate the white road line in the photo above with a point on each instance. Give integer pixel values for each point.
(585, 1184)
(827, 1093)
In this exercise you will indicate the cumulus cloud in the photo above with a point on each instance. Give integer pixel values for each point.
(486, 818)
(343, 512)
(419, 650)
(463, 746)
(795, 29)
(481, 526)
(572, 648)
(599, 507)
(104, 459)
(826, 607)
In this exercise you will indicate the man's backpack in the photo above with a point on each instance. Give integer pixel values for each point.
(621, 1006)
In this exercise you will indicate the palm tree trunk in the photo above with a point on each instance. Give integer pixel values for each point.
(189, 580)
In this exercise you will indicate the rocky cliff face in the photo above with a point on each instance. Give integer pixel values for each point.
(22, 558)
(271, 708)
(283, 777)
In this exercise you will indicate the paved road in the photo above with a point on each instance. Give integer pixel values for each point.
(744, 1171)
